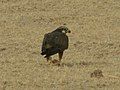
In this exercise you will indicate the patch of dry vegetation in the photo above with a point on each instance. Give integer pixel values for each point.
(94, 44)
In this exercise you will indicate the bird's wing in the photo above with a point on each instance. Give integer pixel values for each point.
(46, 41)
(55, 41)
(61, 41)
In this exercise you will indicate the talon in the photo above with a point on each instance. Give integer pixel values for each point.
(55, 62)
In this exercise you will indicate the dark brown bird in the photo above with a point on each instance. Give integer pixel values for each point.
(55, 42)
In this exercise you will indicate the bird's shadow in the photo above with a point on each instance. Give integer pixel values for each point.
(82, 63)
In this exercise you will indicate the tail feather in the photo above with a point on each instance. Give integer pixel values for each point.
(50, 51)
(44, 51)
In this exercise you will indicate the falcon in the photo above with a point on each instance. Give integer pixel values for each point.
(55, 42)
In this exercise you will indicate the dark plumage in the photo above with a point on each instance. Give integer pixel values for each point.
(55, 42)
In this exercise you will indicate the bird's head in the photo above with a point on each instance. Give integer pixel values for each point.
(63, 29)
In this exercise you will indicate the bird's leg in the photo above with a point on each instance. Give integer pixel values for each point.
(48, 58)
(60, 56)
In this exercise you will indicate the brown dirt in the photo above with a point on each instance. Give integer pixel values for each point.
(94, 44)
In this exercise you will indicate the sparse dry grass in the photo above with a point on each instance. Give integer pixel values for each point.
(94, 44)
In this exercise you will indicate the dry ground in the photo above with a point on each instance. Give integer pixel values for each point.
(94, 44)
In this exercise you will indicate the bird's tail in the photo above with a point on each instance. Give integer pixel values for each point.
(43, 53)
(50, 51)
